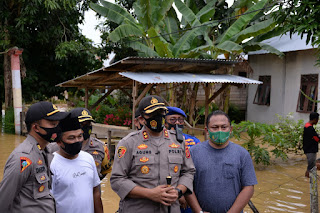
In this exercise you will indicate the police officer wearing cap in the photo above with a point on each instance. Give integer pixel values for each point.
(145, 158)
(175, 120)
(25, 186)
(93, 146)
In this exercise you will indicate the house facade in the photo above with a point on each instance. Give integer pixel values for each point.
(283, 80)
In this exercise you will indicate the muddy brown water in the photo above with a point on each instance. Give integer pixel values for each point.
(281, 187)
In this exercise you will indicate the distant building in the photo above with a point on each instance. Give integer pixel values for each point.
(283, 78)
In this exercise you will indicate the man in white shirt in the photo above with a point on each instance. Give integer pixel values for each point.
(75, 181)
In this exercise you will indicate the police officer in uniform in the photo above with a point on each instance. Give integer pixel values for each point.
(93, 146)
(145, 158)
(25, 186)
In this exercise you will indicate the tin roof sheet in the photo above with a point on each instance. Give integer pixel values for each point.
(161, 78)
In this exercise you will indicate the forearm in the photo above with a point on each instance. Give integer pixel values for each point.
(193, 202)
(140, 192)
(242, 199)
(98, 208)
(182, 188)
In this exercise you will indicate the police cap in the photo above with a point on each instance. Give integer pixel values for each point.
(44, 110)
(151, 103)
(176, 110)
(82, 114)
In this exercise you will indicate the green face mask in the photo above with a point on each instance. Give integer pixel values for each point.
(219, 137)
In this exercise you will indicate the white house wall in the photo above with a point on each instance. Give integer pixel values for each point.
(285, 84)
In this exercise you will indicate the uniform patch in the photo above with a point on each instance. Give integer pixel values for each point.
(41, 188)
(142, 146)
(25, 162)
(187, 152)
(121, 151)
(145, 169)
(145, 135)
(166, 133)
(39, 162)
(153, 124)
(97, 163)
(95, 153)
(43, 177)
(175, 169)
(173, 145)
(144, 159)
(40, 169)
(39, 147)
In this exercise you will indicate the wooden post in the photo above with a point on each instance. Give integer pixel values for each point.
(86, 97)
(313, 191)
(134, 96)
(206, 104)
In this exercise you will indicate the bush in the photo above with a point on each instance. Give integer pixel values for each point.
(263, 140)
(8, 121)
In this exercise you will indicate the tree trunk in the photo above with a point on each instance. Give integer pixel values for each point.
(7, 75)
(193, 99)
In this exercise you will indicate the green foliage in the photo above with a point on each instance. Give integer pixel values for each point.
(8, 121)
(301, 17)
(54, 49)
(265, 140)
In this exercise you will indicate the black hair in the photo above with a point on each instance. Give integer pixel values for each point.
(217, 112)
(313, 116)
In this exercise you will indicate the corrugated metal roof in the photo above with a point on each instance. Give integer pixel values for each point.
(109, 76)
(161, 78)
(285, 44)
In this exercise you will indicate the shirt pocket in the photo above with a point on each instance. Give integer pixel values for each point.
(41, 185)
(175, 163)
(229, 170)
(144, 166)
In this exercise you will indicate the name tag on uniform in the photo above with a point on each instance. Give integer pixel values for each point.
(40, 169)
(174, 151)
(143, 152)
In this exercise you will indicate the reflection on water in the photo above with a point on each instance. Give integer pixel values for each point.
(281, 187)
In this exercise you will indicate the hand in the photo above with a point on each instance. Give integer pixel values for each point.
(164, 195)
(183, 203)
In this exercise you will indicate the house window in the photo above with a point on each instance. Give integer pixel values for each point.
(262, 96)
(309, 86)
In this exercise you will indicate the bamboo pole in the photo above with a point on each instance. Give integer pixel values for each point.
(314, 208)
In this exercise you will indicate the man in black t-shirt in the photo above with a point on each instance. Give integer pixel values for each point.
(310, 141)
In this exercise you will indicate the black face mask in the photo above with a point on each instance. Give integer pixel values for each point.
(155, 123)
(52, 133)
(86, 131)
(73, 148)
(173, 126)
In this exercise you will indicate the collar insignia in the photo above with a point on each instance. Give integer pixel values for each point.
(145, 135)
(166, 133)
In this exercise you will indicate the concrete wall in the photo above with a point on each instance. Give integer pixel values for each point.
(285, 84)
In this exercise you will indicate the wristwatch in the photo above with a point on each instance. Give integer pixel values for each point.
(179, 193)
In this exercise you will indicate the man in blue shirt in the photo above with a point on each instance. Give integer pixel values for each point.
(225, 176)
(176, 116)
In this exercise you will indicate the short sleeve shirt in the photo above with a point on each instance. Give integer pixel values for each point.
(220, 175)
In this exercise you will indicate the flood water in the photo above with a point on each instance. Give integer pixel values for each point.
(281, 187)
